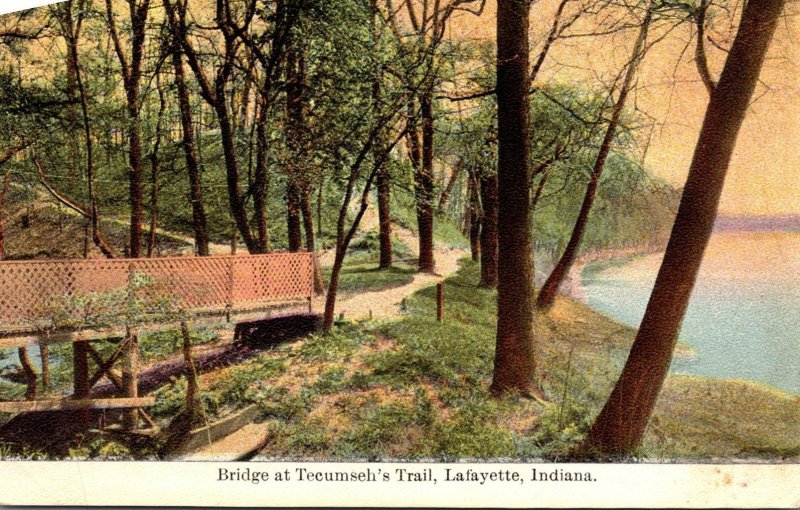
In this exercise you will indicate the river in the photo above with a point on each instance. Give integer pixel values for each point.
(743, 320)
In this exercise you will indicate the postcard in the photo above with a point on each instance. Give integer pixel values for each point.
(399, 253)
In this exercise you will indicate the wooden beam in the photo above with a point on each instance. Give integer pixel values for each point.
(16, 406)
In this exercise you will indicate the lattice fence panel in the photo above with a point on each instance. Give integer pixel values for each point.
(100, 292)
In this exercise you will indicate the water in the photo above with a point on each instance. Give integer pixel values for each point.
(743, 320)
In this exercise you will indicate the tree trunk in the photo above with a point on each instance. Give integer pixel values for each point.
(293, 228)
(621, 424)
(382, 182)
(44, 352)
(547, 294)
(131, 78)
(192, 162)
(71, 33)
(444, 200)
(155, 166)
(384, 218)
(488, 188)
(475, 218)
(3, 196)
(308, 226)
(30, 373)
(425, 186)
(514, 364)
(295, 139)
(261, 180)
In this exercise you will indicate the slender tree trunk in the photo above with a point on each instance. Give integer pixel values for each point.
(539, 189)
(425, 186)
(293, 228)
(382, 182)
(193, 404)
(3, 196)
(199, 224)
(261, 178)
(308, 226)
(488, 188)
(475, 218)
(444, 200)
(44, 351)
(238, 211)
(71, 32)
(155, 167)
(514, 365)
(384, 218)
(30, 373)
(547, 294)
(295, 134)
(621, 424)
(131, 78)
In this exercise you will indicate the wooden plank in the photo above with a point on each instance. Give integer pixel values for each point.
(202, 437)
(240, 445)
(16, 406)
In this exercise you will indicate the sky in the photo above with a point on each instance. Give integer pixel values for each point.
(763, 176)
(762, 179)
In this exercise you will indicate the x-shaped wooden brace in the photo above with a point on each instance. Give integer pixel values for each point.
(104, 368)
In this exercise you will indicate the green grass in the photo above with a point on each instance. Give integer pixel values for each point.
(418, 389)
(366, 277)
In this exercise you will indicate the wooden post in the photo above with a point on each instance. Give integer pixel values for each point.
(130, 378)
(440, 301)
(44, 351)
(130, 364)
(80, 377)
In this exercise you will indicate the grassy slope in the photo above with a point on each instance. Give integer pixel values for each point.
(415, 388)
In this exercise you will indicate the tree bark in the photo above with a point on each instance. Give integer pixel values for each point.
(475, 218)
(488, 188)
(425, 186)
(547, 294)
(514, 364)
(30, 373)
(3, 196)
(131, 78)
(71, 29)
(155, 167)
(620, 426)
(384, 218)
(199, 224)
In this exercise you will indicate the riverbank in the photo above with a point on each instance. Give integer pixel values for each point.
(414, 388)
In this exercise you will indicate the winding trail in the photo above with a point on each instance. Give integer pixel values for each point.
(385, 304)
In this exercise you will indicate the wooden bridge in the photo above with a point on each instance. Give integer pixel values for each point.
(78, 301)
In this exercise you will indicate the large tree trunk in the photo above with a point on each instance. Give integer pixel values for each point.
(514, 365)
(488, 188)
(425, 186)
(547, 294)
(192, 163)
(621, 424)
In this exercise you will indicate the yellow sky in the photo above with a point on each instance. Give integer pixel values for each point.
(763, 177)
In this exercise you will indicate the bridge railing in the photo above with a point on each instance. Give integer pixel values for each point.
(55, 295)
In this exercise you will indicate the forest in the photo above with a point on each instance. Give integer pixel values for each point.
(451, 189)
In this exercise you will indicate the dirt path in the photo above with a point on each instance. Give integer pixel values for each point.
(385, 304)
